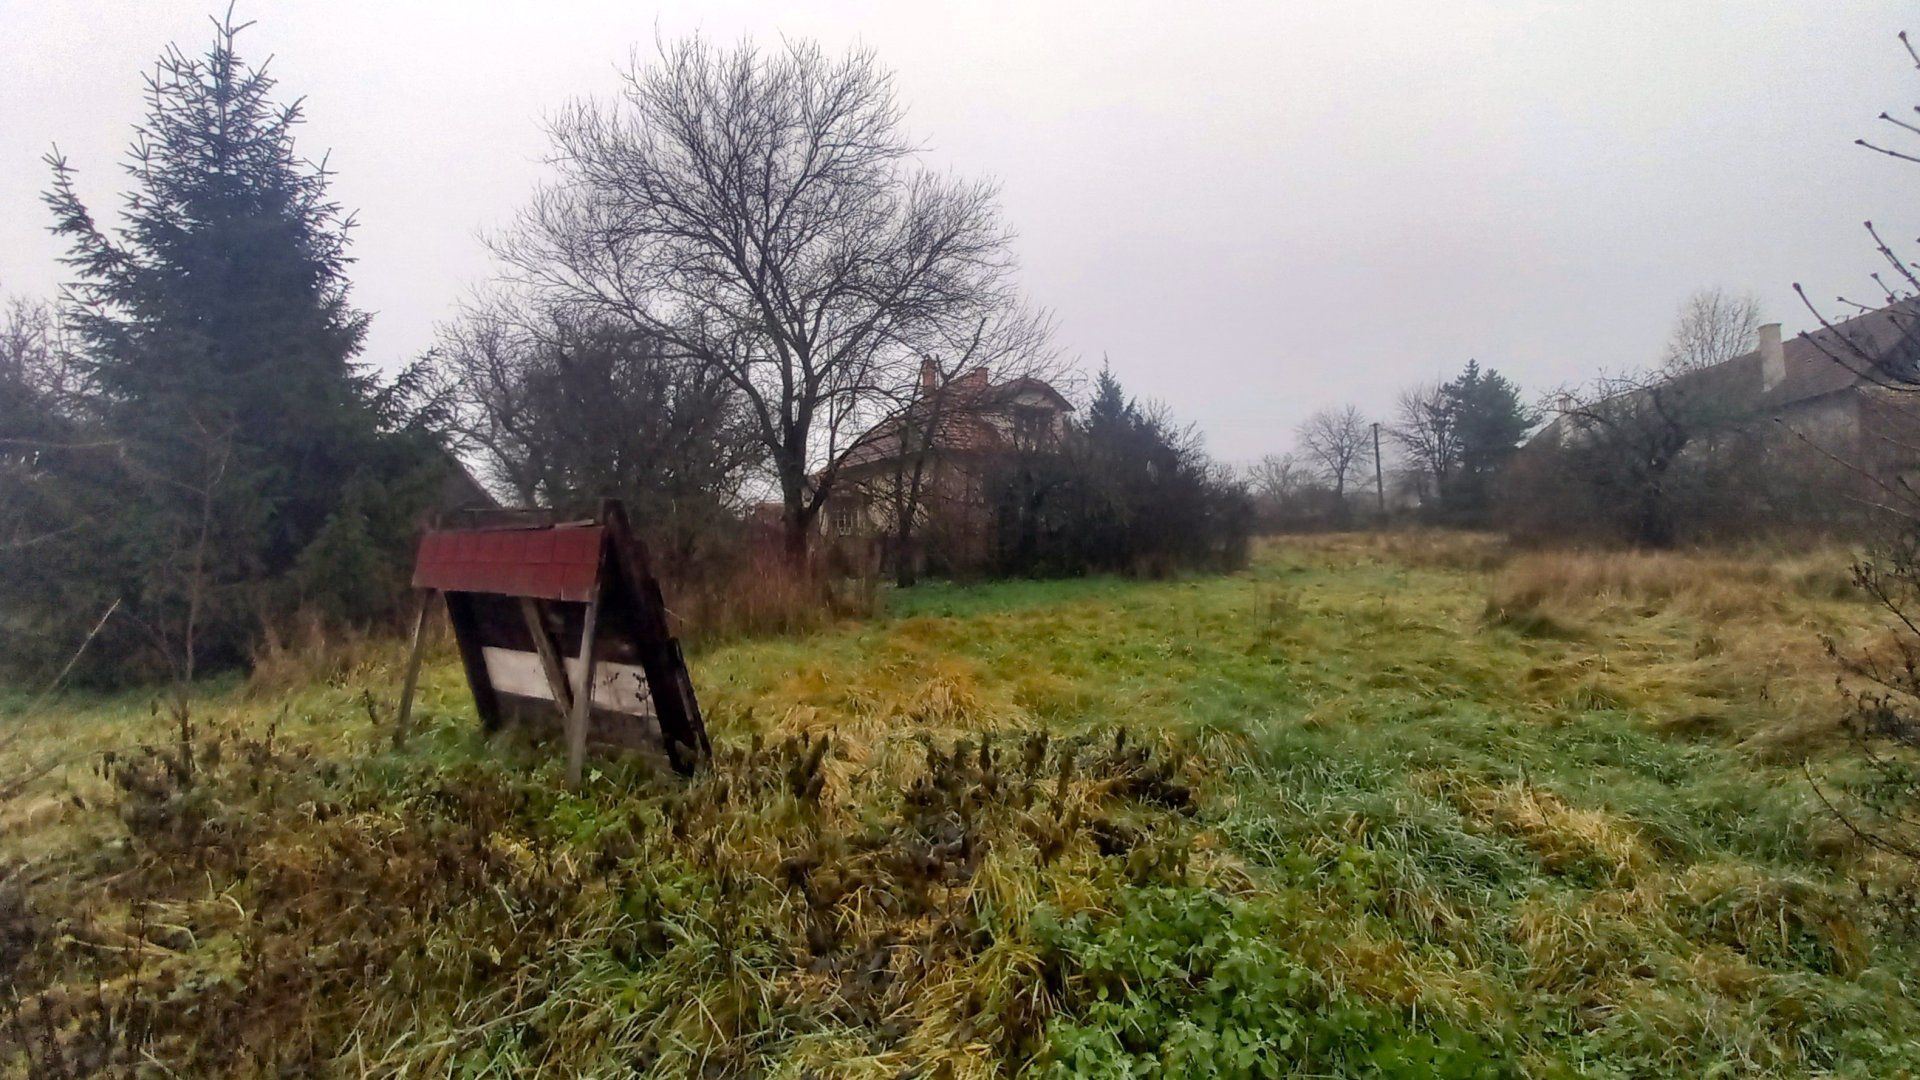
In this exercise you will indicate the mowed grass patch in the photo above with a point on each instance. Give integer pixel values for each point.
(1334, 815)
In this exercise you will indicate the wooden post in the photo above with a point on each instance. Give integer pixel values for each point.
(404, 722)
(583, 693)
(549, 656)
(682, 732)
(1379, 485)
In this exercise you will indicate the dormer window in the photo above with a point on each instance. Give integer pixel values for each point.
(1032, 425)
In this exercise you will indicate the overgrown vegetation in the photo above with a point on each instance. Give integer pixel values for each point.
(1451, 440)
(1126, 491)
(565, 407)
(202, 448)
(766, 217)
(1348, 813)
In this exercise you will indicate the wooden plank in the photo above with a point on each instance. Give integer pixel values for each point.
(583, 694)
(403, 724)
(683, 732)
(616, 686)
(466, 634)
(549, 655)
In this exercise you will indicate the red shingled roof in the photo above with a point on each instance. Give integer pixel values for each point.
(965, 427)
(547, 564)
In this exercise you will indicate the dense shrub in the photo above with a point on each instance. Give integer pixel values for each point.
(754, 588)
(219, 458)
(1125, 492)
(264, 909)
(1656, 461)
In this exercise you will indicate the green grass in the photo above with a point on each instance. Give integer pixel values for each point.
(1372, 815)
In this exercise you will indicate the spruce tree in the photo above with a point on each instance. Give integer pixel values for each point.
(220, 345)
(1489, 423)
(1110, 407)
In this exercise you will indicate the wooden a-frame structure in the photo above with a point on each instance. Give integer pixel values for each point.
(560, 617)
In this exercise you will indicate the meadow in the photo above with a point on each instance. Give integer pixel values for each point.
(1407, 805)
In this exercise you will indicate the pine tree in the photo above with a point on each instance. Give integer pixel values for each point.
(1110, 407)
(1488, 425)
(219, 344)
(1127, 491)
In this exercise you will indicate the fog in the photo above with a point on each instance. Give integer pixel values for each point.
(1250, 210)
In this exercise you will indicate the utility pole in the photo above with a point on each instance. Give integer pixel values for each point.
(1379, 486)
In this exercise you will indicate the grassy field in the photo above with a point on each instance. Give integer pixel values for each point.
(1402, 806)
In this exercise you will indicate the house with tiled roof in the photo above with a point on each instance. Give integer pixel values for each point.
(1833, 389)
(934, 459)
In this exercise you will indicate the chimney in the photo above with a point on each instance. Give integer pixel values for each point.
(929, 374)
(1773, 357)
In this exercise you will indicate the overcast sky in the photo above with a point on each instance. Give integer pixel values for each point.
(1253, 210)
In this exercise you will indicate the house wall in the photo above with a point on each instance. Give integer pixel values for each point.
(952, 526)
(1890, 433)
(1831, 423)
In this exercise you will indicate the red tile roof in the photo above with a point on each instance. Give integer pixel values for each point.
(548, 564)
(964, 427)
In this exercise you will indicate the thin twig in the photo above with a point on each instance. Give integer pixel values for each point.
(21, 717)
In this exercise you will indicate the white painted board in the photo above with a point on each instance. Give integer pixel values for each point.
(620, 687)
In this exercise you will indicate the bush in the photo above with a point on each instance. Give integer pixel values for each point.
(1126, 492)
(756, 589)
(1659, 462)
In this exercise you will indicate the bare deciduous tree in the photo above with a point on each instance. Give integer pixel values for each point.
(1881, 803)
(1641, 454)
(1335, 440)
(1286, 495)
(1276, 478)
(1424, 429)
(479, 369)
(761, 213)
(565, 408)
(35, 355)
(1713, 326)
(39, 405)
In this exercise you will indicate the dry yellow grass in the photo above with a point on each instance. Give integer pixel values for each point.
(1712, 586)
(1722, 642)
(1574, 841)
(1425, 548)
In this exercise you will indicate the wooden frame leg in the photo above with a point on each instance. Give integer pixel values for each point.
(549, 653)
(403, 723)
(583, 695)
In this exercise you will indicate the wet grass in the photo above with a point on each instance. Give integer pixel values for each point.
(1400, 807)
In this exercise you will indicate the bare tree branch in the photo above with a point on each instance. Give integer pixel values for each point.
(760, 213)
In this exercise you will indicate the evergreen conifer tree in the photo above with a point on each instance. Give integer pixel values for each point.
(1488, 424)
(219, 347)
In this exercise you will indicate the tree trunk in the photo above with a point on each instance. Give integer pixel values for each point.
(906, 509)
(1656, 525)
(796, 523)
(905, 573)
(795, 538)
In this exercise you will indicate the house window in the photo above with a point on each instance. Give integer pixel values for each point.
(1032, 426)
(844, 517)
